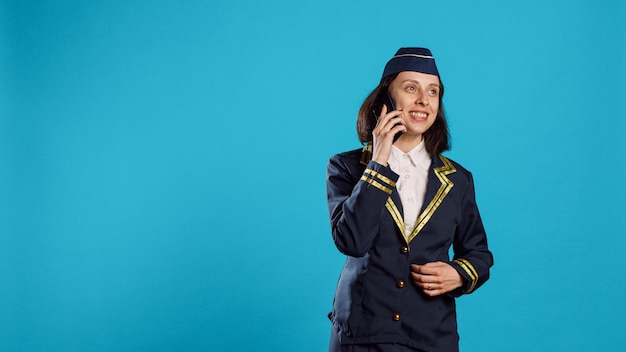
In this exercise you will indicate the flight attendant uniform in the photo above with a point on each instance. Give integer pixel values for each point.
(377, 307)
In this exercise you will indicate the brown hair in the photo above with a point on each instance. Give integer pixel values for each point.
(436, 139)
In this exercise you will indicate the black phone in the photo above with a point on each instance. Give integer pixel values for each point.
(384, 98)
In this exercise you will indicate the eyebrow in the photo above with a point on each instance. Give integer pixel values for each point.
(414, 81)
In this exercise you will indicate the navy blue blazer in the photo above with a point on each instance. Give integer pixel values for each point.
(376, 301)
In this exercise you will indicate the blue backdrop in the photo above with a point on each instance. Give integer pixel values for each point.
(162, 167)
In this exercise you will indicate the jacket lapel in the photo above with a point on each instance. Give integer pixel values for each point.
(439, 185)
(394, 207)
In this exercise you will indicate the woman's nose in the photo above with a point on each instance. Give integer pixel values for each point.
(422, 99)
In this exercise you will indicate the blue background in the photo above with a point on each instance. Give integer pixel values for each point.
(162, 167)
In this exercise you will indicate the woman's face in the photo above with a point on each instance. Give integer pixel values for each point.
(417, 95)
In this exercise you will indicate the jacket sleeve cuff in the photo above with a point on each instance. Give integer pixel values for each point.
(469, 275)
(380, 176)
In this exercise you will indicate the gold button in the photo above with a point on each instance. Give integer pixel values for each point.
(396, 317)
(404, 250)
(400, 284)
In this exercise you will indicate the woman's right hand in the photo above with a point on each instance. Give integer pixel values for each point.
(388, 125)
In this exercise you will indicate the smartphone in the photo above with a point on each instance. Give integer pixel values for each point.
(385, 98)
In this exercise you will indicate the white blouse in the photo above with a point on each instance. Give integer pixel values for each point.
(412, 167)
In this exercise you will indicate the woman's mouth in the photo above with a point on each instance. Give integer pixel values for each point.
(418, 115)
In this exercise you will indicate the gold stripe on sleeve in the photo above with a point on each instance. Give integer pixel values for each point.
(383, 178)
(470, 270)
(376, 184)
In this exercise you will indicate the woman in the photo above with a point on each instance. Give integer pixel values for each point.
(396, 207)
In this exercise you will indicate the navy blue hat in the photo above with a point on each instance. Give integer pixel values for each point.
(411, 59)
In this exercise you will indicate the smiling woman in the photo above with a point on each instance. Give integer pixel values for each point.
(396, 207)
(416, 95)
(162, 177)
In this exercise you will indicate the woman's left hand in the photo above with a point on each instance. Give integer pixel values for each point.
(436, 278)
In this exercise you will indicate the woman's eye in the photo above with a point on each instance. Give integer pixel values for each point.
(433, 92)
(410, 89)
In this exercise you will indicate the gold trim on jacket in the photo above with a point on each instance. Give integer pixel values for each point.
(445, 187)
